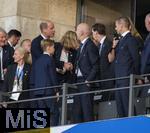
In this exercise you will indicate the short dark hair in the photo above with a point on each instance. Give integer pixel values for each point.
(45, 43)
(100, 28)
(124, 20)
(14, 32)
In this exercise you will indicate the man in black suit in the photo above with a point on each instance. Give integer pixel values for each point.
(104, 47)
(86, 70)
(126, 58)
(13, 39)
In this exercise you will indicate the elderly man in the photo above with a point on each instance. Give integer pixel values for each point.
(86, 70)
(5, 56)
(145, 56)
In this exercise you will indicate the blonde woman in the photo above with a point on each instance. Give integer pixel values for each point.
(26, 44)
(17, 79)
(65, 54)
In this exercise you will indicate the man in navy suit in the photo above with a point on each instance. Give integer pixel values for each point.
(106, 68)
(145, 55)
(47, 31)
(126, 59)
(86, 70)
(45, 76)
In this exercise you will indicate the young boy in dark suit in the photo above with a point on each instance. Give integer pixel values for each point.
(45, 76)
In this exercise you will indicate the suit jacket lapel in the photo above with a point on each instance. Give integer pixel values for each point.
(12, 76)
(122, 40)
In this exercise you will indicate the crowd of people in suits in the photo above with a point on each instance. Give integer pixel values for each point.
(78, 57)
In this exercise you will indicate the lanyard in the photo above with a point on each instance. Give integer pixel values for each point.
(19, 75)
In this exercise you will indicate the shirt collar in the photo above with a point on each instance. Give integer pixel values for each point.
(83, 41)
(46, 53)
(102, 40)
(10, 44)
(125, 33)
(43, 36)
(20, 67)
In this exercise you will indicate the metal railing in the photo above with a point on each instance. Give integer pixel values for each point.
(132, 78)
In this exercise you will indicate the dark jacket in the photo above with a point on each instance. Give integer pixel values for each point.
(9, 80)
(88, 60)
(68, 76)
(45, 75)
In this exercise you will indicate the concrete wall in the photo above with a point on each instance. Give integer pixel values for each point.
(106, 11)
(26, 15)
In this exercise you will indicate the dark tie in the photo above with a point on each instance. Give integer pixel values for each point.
(100, 48)
(81, 47)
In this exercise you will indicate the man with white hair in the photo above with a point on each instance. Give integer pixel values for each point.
(5, 56)
(86, 70)
(145, 56)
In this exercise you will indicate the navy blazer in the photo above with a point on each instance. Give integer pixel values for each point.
(88, 60)
(127, 59)
(45, 75)
(145, 57)
(36, 49)
(10, 76)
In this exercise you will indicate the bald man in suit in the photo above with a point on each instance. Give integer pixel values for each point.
(86, 70)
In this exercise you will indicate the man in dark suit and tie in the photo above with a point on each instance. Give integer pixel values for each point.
(126, 59)
(47, 31)
(106, 68)
(145, 56)
(87, 65)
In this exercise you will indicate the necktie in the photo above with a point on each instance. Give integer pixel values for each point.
(81, 47)
(100, 48)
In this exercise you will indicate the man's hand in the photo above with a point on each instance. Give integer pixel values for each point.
(115, 42)
(87, 83)
(57, 94)
(140, 82)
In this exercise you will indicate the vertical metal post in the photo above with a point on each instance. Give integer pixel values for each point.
(1, 96)
(64, 104)
(131, 96)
